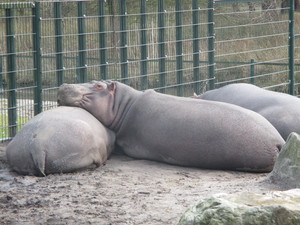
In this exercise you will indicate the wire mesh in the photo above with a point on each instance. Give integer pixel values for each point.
(16, 68)
(246, 37)
(180, 48)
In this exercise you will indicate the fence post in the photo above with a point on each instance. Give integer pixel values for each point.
(11, 68)
(196, 49)
(102, 40)
(211, 44)
(179, 64)
(252, 71)
(58, 44)
(291, 48)
(144, 55)
(82, 43)
(123, 41)
(37, 58)
(1, 76)
(161, 45)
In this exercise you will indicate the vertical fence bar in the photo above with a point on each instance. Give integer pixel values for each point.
(11, 68)
(123, 41)
(1, 72)
(252, 71)
(211, 45)
(82, 75)
(196, 48)
(37, 58)
(102, 40)
(179, 58)
(292, 48)
(144, 54)
(58, 44)
(161, 45)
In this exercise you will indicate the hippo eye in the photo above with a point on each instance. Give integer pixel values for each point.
(99, 86)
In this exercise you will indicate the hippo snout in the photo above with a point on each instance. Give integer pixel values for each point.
(72, 94)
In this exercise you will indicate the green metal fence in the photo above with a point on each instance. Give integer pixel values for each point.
(266, 42)
(175, 47)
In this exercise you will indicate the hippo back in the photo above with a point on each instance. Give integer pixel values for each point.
(281, 110)
(64, 139)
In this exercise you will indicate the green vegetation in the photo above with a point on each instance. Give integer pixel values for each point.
(4, 128)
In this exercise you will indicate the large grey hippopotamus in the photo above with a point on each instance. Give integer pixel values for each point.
(177, 130)
(281, 110)
(60, 140)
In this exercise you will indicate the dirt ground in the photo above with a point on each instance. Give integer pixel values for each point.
(124, 191)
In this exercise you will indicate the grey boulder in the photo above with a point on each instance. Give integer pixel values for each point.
(246, 208)
(286, 171)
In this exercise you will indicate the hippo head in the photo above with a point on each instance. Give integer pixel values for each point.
(96, 97)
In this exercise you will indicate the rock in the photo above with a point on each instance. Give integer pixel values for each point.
(286, 171)
(246, 208)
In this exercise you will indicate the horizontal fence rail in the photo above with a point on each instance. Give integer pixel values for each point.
(175, 47)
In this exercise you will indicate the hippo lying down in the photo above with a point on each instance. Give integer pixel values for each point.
(60, 140)
(176, 130)
(281, 110)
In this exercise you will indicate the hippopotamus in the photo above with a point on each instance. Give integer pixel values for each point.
(177, 130)
(281, 110)
(63, 139)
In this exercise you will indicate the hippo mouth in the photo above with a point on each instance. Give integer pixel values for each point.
(85, 98)
(75, 101)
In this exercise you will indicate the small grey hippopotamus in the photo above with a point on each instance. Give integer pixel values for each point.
(177, 130)
(281, 110)
(64, 139)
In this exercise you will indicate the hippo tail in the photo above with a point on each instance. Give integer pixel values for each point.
(39, 159)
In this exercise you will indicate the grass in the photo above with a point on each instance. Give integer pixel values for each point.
(4, 127)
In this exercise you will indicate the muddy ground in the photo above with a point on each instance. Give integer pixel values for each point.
(124, 191)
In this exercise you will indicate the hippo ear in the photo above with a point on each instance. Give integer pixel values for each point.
(196, 96)
(111, 87)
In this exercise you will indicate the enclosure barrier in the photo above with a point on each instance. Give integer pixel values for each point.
(181, 48)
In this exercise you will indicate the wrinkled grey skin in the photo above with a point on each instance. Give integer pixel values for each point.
(64, 139)
(281, 110)
(176, 130)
